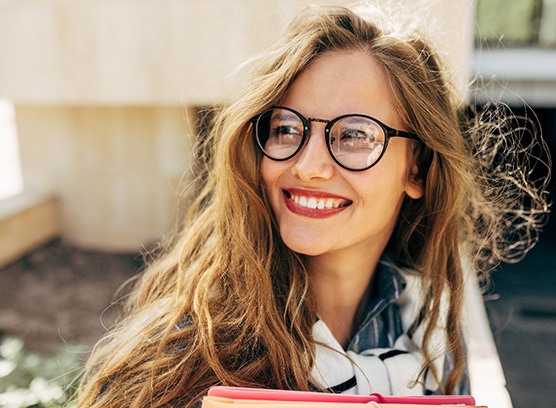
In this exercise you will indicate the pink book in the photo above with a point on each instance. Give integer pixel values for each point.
(252, 396)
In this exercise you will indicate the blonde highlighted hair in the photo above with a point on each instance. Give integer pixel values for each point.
(228, 303)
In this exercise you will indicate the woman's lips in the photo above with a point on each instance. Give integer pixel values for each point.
(314, 204)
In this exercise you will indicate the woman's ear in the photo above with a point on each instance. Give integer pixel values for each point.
(414, 187)
(415, 184)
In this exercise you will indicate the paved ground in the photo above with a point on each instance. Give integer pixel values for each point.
(60, 294)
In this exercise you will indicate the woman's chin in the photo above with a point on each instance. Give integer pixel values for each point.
(304, 247)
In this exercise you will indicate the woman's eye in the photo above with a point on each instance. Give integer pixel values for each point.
(355, 136)
(285, 130)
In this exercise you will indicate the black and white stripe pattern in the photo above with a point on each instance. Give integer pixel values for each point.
(386, 370)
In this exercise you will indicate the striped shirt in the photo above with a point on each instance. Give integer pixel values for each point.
(382, 323)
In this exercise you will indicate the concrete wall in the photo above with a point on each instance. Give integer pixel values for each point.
(116, 168)
(100, 88)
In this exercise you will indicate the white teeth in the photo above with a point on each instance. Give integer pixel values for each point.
(312, 203)
(316, 203)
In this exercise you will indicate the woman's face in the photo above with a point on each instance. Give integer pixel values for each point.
(360, 208)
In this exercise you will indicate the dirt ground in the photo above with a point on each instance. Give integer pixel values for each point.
(61, 294)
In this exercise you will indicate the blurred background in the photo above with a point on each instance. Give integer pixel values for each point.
(100, 104)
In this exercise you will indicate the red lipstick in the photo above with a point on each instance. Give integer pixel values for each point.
(314, 204)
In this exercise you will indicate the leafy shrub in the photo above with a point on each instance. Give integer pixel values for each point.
(30, 380)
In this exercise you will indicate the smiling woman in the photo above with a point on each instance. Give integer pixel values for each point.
(366, 203)
(334, 85)
(326, 250)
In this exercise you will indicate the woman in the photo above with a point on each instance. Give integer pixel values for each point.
(325, 251)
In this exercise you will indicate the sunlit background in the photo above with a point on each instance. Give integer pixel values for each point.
(100, 104)
(11, 181)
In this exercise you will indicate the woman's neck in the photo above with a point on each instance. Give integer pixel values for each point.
(342, 286)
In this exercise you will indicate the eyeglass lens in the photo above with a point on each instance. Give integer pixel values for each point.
(355, 142)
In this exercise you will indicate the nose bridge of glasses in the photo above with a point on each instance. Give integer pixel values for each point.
(318, 120)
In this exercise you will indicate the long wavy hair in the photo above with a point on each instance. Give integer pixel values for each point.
(228, 303)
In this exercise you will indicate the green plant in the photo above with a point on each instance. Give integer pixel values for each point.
(30, 380)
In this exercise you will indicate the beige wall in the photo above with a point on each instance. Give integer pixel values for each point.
(122, 52)
(117, 169)
(99, 87)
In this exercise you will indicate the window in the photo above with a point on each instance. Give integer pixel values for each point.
(516, 23)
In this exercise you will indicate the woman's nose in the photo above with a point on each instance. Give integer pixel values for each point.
(314, 160)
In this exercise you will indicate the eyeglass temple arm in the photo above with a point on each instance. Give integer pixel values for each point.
(401, 133)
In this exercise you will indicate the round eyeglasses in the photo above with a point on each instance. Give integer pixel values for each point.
(355, 141)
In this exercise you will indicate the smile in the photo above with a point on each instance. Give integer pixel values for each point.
(317, 203)
(314, 204)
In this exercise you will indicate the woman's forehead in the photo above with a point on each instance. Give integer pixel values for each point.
(337, 83)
